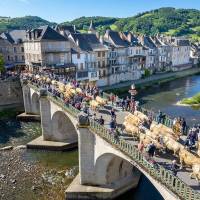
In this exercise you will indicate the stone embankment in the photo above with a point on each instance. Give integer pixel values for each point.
(157, 78)
(10, 94)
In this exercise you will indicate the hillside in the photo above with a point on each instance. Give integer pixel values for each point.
(7, 23)
(170, 21)
(101, 23)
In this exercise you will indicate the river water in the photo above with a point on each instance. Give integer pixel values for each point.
(163, 97)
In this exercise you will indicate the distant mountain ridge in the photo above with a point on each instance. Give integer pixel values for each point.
(170, 21)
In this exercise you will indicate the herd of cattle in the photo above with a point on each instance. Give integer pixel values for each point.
(164, 138)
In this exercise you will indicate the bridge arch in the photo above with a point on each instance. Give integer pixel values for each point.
(111, 169)
(63, 129)
(35, 101)
(115, 169)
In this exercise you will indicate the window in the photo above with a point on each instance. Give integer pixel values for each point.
(8, 58)
(103, 63)
(22, 49)
(81, 66)
(103, 54)
(15, 49)
(99, 64)
(99, 54)
(78, 55)
(22, 57)
(113, 70)
(104, 72)
(16, 58)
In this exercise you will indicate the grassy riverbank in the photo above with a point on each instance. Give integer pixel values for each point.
(192, 101)
(122, 88)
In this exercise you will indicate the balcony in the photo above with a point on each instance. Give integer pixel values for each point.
(46, 51)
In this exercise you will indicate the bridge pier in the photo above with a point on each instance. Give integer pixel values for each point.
(102, 175)
(31, 105)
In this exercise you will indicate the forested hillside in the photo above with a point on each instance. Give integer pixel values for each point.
(27, 22)
(171, 21)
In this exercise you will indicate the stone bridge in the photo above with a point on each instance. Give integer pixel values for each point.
(108, 166)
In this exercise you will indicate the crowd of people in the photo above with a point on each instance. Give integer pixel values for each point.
(8, 74)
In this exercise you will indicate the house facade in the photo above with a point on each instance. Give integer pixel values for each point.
(12, 48)
(45, 48)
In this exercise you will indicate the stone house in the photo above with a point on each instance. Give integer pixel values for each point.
(45, 48)
(12, 48)
(89, 56)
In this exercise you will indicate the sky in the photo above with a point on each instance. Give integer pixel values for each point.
(66, 10)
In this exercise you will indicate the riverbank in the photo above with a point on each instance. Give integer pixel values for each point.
(121, 88)
(21, 179)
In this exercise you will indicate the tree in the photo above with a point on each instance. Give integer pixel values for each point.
(2, 64)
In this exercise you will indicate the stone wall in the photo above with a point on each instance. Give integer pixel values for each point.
(10, 94)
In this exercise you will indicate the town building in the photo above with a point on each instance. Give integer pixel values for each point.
(12, 49)
(121, 67)
(89, 56)
(46, 49)
(179, 52)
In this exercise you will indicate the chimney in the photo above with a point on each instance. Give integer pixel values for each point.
(129, 37)
(98, 35)
(74, 28)
(101, 39)
(107, 33)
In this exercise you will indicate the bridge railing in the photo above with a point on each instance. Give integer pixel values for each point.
(158, 172)
(68, 108)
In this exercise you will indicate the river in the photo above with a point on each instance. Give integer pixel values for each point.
(163, 97)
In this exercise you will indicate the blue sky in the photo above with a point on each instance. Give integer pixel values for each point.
(64, 10)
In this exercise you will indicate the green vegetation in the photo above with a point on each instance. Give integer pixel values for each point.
(27, 22)
(2, 64)
(195, 100)
(170, 21)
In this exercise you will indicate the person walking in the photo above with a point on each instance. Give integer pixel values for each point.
(101, 121)
(160, 116)
(112, 113)
(184, 126)
(174, 167)
(151, 148)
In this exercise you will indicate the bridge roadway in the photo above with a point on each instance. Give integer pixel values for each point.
(162, 159)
